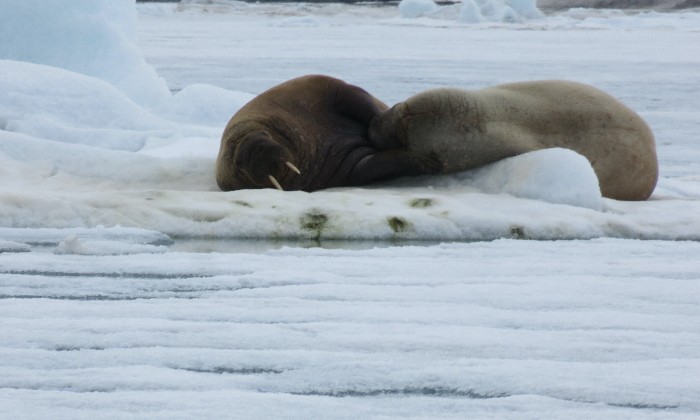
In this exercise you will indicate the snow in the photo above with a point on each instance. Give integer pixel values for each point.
(75, 245)
(130, 287)
(93, 37)
(48, 236)
(10, 246)
(415, 8)
(474, 11)
(568, 176)
(480, 329)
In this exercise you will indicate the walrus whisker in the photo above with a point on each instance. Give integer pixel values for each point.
(291, 166)
(275, 183)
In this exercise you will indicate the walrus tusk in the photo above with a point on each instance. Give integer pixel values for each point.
(275, 183)
(291, 166)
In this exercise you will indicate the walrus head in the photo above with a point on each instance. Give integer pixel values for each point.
(259, 161)
(255, 156)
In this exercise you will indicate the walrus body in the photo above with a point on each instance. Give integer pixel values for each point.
(307, 134)
(467, 129)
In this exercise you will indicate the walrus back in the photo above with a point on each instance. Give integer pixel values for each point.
(467, 129)
(615, 139)
(462, 128)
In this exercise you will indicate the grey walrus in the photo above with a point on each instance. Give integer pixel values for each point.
(308, 133)
(467, 129)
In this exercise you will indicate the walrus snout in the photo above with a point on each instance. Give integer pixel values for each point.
(262, 160)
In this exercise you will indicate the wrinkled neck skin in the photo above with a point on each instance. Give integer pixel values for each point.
(427, 115)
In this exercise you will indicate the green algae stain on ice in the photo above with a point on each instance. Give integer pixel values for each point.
(421, 203)
(517, 232)
(314, 222)
(399, 224)
(242, 203)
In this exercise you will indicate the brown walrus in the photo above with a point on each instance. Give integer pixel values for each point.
(307, 134)
(467, 129)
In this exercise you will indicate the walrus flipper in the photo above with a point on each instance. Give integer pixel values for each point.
(390, 164)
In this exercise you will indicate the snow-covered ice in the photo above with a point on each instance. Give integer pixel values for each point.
(152, 164)
(474, 11)
(605, 328)
(103, 314)
(94, 37)
(415, 8)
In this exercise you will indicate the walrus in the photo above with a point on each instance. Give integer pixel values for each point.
(307, 134)
(465, 129)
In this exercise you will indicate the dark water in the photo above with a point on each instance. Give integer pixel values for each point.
(298, 1)
(545, 5)
(253, 245)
